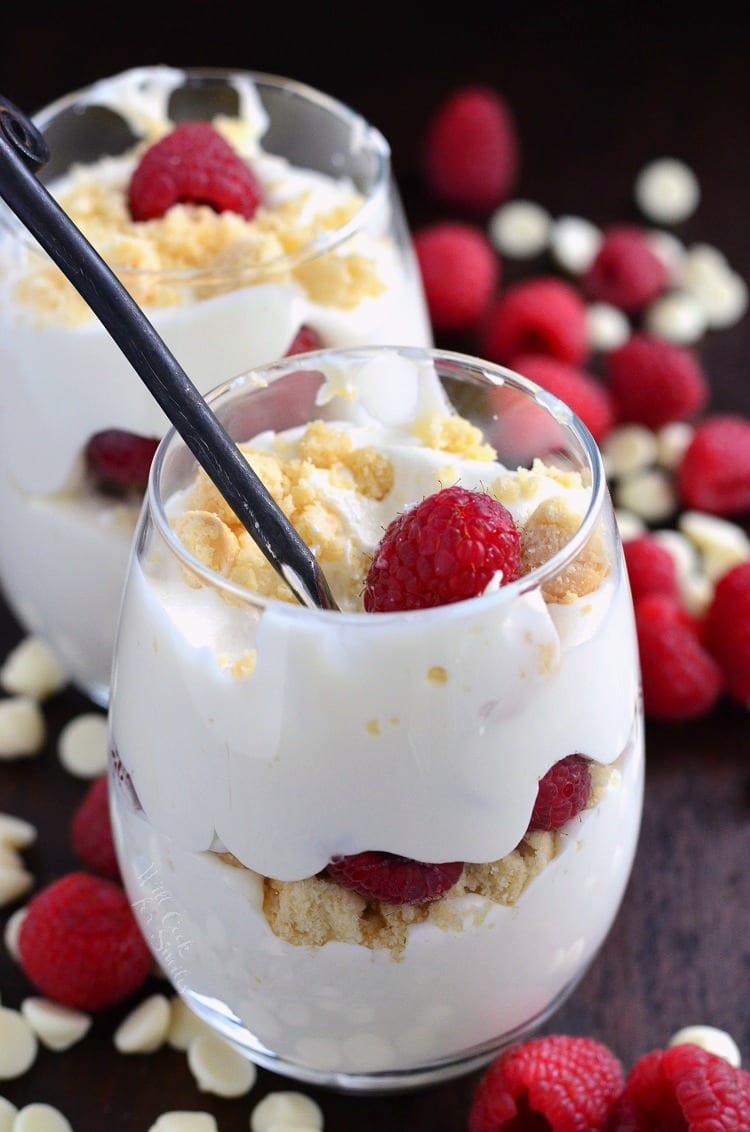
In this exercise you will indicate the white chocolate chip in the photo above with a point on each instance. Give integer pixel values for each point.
(31, 669)
(218, 1068)
(650, 494)
(16, 832)
(520, 229)
(667, 191)
(628, 448)
(673, 441)
(722, 544)
(12, 932)
(574, 243)
(724, 300)
(677, 317)
(629, 525)
(22, 727)
(41, 1118)
(18, 1044)
(7, 1115)
(82, 745)
(704, 273)
(185, 1122)
(606, 327)
(145, 1028)
(15, 882)
(711, 1039)
(681, 550)
(669, 249)
(57, 1027)
(184, 1025)
(286, 1107)
(696, 593)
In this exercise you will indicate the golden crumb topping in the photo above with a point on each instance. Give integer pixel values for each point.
(549, 527)
(324, 456)
(152, 257)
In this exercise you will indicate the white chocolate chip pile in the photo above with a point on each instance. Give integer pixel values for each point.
(704, 291)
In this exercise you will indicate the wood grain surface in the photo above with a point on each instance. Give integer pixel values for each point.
(596, 93)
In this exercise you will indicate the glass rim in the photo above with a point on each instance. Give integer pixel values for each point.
(318, 246)
(485, 371)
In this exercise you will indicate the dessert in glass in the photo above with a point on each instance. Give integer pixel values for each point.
(281, 230)
(373, 845)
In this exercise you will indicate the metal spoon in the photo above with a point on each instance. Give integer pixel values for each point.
(23, 150)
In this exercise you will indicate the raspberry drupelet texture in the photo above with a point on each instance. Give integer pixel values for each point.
(626, 272)
(393, 879)
(654, 382)
(119, 461)
(460, 272)
(727, 630)
(193, 164)
(681, 679)
(470, 156)
(563, 792)
(684, 1087)
(714, 473)
(585, 394)
(544, 315)
(651, 568)
(446, 548)
(91, 831)
(551, 1084)
(80, 945)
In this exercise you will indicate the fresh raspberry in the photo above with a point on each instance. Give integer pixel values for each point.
(683, 1088)
(460, 271)
(80, 945)
(119, 461)
(714, 473)
(193, 164)
(544, 315)
(393, 879)
(556, 1083)
(626, 272)
(651, 568)
(305, 339)
(563, 792)
(444, 549)
(726, 632)
(470, 155)
(581, 391)
(654, 382)
(681, 680)
(91, 831)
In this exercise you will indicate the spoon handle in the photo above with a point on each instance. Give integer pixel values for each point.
(23, 150)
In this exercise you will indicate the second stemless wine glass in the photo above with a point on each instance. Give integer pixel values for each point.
(338, 829)
(325, 260)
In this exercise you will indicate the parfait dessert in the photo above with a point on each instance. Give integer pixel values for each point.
(371, 846)
(251, 217)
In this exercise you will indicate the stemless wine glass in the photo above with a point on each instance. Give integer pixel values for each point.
(335, 827)
(325, 260)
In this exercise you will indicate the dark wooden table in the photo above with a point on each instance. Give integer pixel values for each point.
(596, 95)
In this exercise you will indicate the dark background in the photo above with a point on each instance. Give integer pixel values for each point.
(597, 91)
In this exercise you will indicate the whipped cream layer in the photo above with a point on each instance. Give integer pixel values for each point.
(423, 734)
(344, 1009)
(63, 379)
